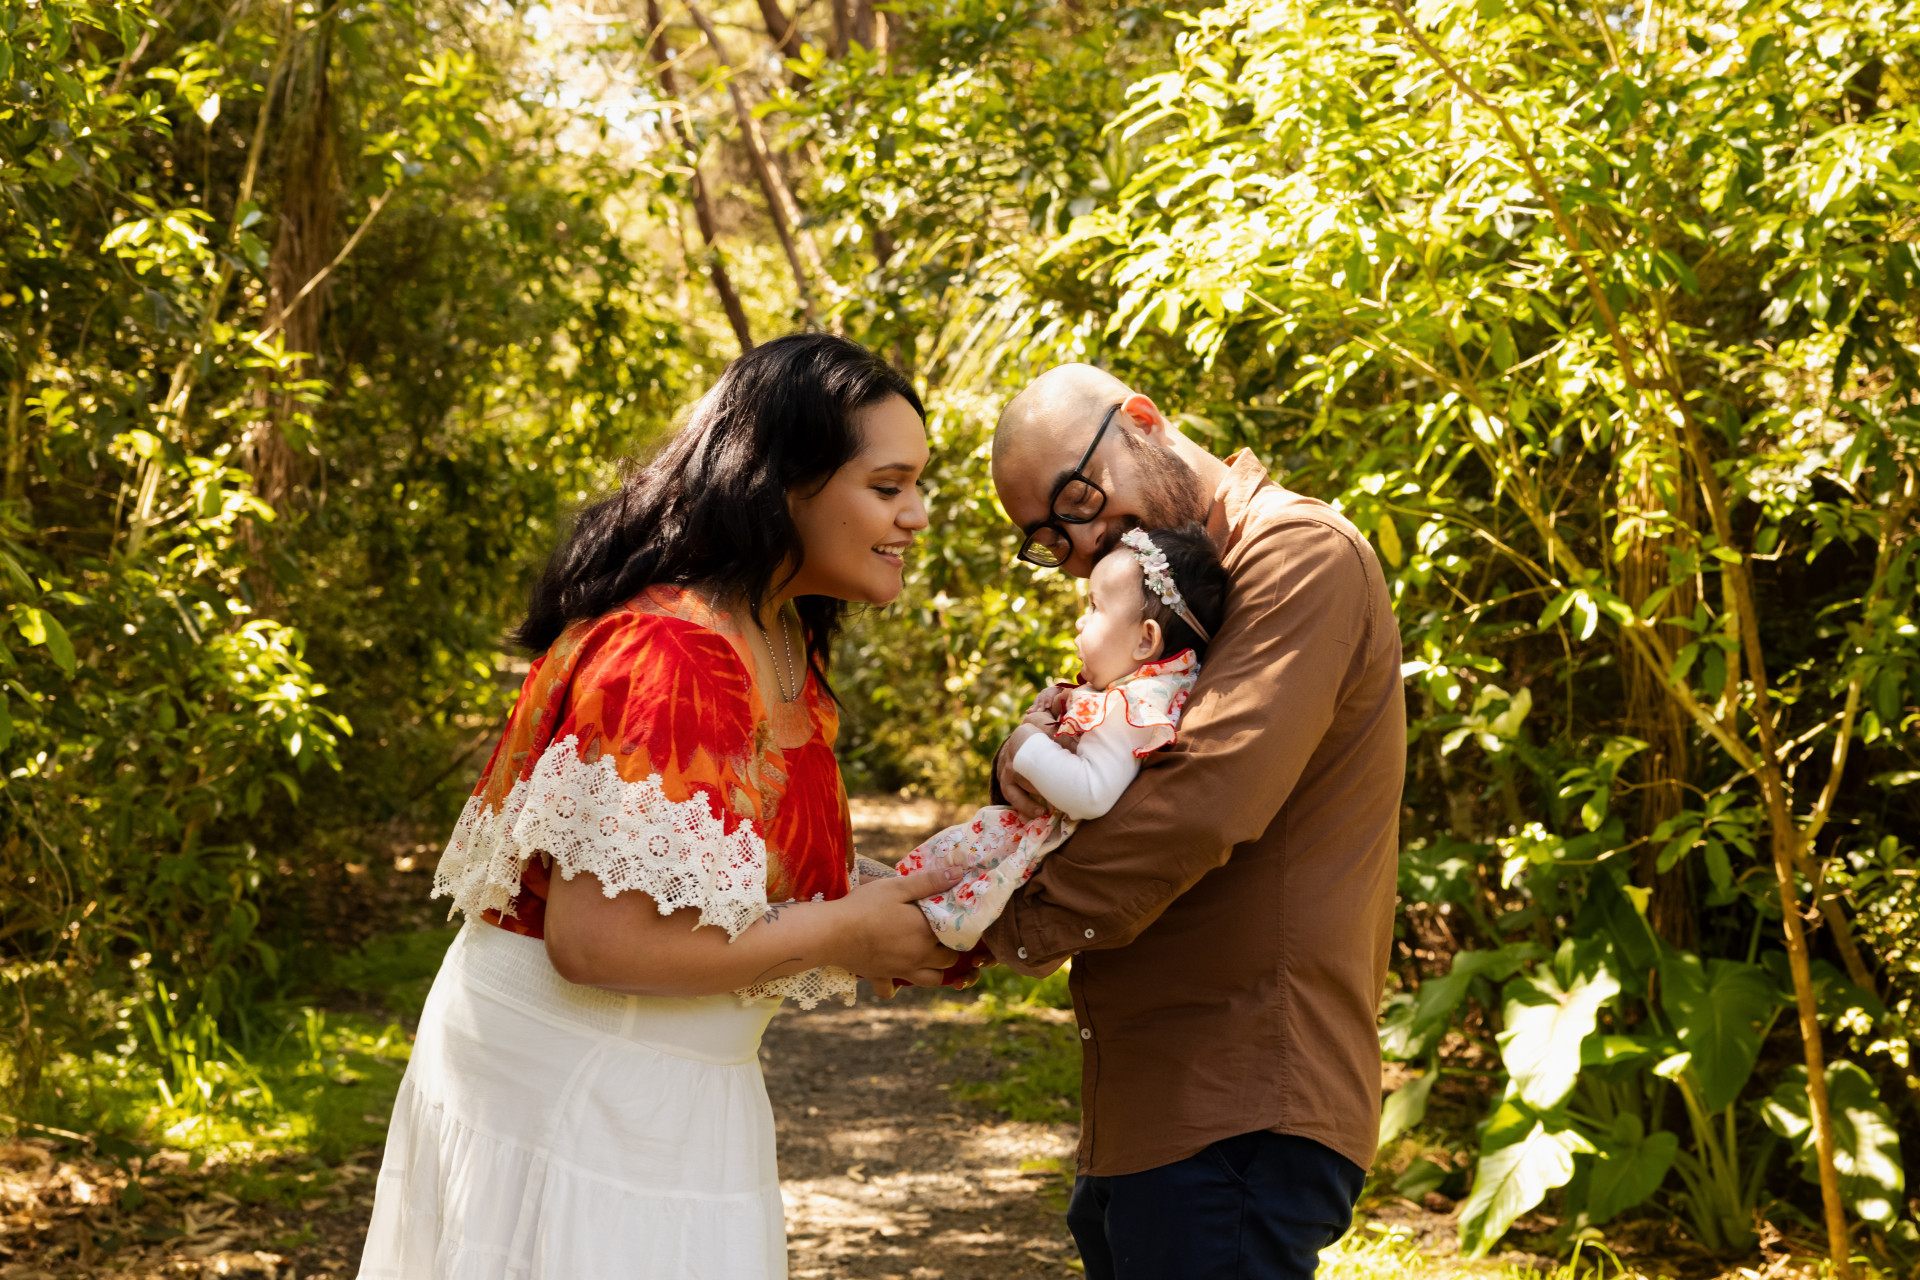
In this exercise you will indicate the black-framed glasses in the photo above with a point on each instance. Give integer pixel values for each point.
(1078, 500)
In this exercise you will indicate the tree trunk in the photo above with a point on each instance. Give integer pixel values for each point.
(1839, 1248)
(780, 202)
(17, 414)
(785, 35)
(839, 8)
(866, 25)
(1738, 605)
(303, 248)
(702, 203)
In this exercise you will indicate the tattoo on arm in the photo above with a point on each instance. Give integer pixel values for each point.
(770, 970)
(867, 869)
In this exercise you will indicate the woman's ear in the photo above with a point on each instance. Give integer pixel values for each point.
(1147, 648)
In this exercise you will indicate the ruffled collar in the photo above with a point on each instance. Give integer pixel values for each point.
(1151, 697)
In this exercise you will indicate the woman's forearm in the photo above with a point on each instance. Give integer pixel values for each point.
(624, 944)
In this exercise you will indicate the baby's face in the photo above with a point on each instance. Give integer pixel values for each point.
(1112, 636)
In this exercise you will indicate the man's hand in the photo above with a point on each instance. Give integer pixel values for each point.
(1016, 790)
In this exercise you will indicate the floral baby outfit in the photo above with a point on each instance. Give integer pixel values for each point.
(1131, 718)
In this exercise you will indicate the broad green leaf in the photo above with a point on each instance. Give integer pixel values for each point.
(1439, 997)
(1389, 540)
(1406, 1106)
(38, 626)
(16, 577)
(1866, 1147)
(1545, 1027)
(1398, 1039)
(1513, 1179)
(1716, 1009)
(1630, 1166)
(1606, 1051)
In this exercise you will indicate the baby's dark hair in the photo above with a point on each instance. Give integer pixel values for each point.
(1202, 581)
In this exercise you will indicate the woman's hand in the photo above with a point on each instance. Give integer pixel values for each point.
(882, 934)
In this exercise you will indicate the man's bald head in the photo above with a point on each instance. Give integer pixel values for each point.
(1068, 397)
(1142, 476)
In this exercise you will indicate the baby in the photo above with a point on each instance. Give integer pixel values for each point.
(1153, 603)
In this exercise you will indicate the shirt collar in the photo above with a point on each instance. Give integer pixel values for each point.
(1245, 478)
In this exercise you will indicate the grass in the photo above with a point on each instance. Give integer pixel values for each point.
(1376, 1251)
(1033, 1056)
(305, 1081)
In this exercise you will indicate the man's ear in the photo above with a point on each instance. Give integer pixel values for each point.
(1147, 418)
(1151, 639)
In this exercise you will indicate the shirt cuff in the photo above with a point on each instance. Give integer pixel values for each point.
(1013, 946)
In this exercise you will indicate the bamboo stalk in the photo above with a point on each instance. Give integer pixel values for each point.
(17, 413)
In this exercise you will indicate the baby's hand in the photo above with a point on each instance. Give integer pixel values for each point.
(1049, 702)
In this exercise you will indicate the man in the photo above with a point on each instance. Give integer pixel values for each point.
(1230, 919)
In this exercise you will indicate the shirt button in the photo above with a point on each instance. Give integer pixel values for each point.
(1086, 1033)
(1089, 933)
(1022, 953)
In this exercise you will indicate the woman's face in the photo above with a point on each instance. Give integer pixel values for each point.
(858, 526)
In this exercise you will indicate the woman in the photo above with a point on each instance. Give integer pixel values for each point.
(584, 1098)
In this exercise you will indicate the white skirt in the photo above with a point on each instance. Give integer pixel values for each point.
(547, 1131)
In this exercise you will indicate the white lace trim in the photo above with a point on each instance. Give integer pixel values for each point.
(586, 817)
(807, 989)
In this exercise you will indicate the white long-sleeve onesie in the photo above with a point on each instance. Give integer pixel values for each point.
(1087, 784)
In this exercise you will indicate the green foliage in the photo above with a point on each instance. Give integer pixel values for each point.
(1513, 1178)
(241, 576)
(1866, 1146)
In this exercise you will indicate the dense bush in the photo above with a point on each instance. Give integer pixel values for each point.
(260, 550)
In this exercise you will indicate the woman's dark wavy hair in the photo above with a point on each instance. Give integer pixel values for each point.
(711, 508)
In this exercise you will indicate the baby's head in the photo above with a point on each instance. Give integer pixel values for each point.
(1127, 623)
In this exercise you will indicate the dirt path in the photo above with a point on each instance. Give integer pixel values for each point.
(885, 1174)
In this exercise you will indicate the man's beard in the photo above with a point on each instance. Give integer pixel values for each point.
(1170, 492)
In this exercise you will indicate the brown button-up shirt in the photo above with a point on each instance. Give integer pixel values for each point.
(1230, 918)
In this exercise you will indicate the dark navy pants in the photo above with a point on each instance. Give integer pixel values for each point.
(1257, 1207)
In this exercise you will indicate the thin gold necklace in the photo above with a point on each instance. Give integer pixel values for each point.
(786, 644)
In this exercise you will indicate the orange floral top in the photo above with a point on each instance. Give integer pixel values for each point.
(642, 750)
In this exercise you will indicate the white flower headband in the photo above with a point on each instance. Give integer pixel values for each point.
(1159, 577)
